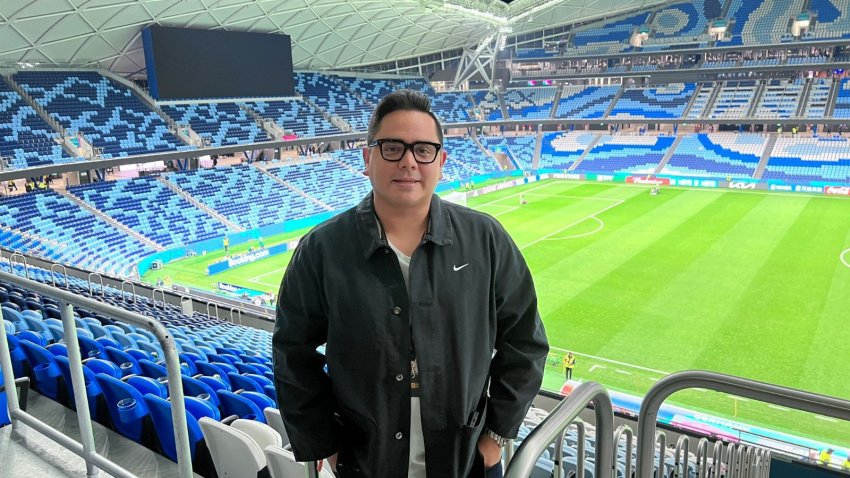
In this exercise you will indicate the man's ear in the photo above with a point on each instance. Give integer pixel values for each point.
(366, 153)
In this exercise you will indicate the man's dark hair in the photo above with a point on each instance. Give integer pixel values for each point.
(402, 100)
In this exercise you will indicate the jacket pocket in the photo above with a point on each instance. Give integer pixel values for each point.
(354, 459)
(469, 456)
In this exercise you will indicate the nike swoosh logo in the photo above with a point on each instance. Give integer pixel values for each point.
(457, 268)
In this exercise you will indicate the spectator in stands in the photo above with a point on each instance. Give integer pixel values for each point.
(412, 296)
(10, 185)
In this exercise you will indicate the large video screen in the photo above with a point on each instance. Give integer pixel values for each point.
(190, 64)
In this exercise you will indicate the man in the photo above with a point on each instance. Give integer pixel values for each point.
(434, 347)
(569, 365)
(825, 457)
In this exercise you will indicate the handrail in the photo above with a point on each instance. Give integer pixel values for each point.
(559, 419)
(624, 430)
(153, 297)
(86, 449)
(717, 459)
(661, 444)
(581, 436)
(53, 268)
(132, 291)
(102, 292)
(216, 309)
(23, 261)
(775, 394)
(682, 458)
(235, 309)
(702, 458)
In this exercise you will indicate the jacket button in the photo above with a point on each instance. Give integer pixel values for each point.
(399, 377)
(399, 436)
(396, 310)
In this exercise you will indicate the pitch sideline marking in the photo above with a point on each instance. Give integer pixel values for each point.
(841, 257)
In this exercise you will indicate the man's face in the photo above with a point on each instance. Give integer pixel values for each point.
(405, 183)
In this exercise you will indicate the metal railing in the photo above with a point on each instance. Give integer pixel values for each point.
(739, 460)
(86, 449)
(558, 421)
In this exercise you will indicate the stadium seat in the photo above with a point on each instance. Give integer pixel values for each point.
(93, 390)
(196, 409)
(127, 410)
(242, 405)
(236, 450)
(281, 463)
(44, 368)
(275, 421)
(147, 385)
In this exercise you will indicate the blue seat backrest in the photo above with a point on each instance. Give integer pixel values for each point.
(126, 406)
(160, 410)
(93, 390)
(241, 406)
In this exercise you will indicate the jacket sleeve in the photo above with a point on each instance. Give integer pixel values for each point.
(304, 394)
(516, 370)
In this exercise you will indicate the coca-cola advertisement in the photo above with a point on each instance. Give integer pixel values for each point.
(647, 180)
(837, 190)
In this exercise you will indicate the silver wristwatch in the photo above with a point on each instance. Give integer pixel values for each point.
(502, 442)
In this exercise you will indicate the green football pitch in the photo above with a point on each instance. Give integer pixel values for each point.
(747, 283)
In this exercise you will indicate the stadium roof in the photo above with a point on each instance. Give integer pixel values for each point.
(326, 34)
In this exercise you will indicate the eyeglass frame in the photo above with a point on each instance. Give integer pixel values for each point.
(407, 146)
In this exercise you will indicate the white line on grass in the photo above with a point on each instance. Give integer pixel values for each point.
(844, 253)
(282, 269)
(777, 407)
(516, 194)
(622, 371)
(740, 399)
(595, 367)
(828, 419)
(576, 236)
(624, 364)
(596, 198)
(514, 208)
(718, 190)
(547, 236)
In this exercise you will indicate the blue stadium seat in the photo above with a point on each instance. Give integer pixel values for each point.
(160, 412)
(93, 390)
(127, 408)
(44, 369)
(243, 405)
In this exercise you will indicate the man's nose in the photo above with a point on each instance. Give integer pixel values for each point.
(407, 159)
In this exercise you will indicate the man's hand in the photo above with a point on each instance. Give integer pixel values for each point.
(490, 450)
(331, 461)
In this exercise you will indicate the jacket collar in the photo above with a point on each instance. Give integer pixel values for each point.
(439, 225)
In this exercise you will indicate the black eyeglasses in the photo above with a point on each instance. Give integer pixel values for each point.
(424, 152)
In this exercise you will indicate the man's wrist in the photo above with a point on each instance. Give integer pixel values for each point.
(501, 441)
